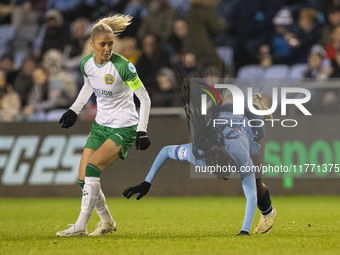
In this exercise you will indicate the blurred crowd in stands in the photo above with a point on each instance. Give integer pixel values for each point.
(43, 41)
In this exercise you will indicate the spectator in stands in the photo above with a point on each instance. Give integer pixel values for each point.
(174, 45)
(334, 44)
(164, 95)
(265, 56)
(62, 88)
(188, 65)
(24, 80)
(7, 66)
(330, 98)
(74, 9)
(29, 12)
(213, 75)
(279, 50)
(306, 35)
(9, 100)
(203, 27)
(38, 95)
(316, 68)
(73, 52)
(158, 21)
(53, 34)
(336, 66)
(74, 47)
(137, 9)
(333, 3)
(127, 47)
(181, 6)
(296, 5)
(153, 58)
(6, 8)
(333, 16)
(250, 23)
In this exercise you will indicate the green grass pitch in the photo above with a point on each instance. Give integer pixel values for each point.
(199, 225)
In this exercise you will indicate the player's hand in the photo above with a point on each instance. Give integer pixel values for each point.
(141, 188)
(68, 119)
(142, 141)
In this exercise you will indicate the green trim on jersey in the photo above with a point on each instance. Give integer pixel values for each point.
(125, 68)
(135, 84)
(83, 62)
(98, 65)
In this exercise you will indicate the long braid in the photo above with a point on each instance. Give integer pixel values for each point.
(203, 134)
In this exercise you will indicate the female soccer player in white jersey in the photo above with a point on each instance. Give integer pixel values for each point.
(116, 128)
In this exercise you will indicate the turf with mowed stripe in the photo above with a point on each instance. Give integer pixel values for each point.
(199, 225)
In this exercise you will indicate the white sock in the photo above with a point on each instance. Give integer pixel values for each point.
(102, 209)
(89, 199)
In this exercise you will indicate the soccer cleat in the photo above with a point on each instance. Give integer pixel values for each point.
(257, 99)
(104, 228)
(266, 223)
(243, 233)
(74, 230)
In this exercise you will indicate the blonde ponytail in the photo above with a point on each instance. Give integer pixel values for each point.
(113, 24)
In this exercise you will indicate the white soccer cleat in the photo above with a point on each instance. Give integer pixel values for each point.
(104, 228)
(74, 230)
(266, 223)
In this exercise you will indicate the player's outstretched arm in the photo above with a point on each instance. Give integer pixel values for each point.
(143, 188)
(69, 118)
(249, 189)
(142, 139)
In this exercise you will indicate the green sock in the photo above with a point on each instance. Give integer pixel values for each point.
(81, 183)
(92, 171)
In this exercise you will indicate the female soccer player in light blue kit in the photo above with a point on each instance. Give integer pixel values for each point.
(241, 146)
(117, 127)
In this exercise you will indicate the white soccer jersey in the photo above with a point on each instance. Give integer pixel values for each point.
(113, 84)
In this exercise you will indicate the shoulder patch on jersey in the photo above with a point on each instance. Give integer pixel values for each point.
(181, 153)
(83, 62)
(132, 68)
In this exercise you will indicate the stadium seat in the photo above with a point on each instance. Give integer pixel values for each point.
(250, 72)
(55, 115)
(6, 35)
(226, 54)
(296, 71)
(39, 116)
(276, 71)
(22, 41)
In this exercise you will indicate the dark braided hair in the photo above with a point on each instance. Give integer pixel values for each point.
(207, 141)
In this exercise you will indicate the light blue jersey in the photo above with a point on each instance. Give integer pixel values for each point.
(240, 145)
(182, 153)
(238, 142)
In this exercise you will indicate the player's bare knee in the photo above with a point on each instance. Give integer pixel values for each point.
(95, 161)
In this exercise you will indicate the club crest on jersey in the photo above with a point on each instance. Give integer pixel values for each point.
(108, 79)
